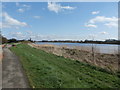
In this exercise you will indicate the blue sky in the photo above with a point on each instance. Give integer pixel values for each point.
(60, 21)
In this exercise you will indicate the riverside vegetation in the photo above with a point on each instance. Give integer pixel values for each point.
(83, 54)
(46, 70)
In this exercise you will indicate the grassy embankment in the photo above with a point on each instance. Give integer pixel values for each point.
(45, 70)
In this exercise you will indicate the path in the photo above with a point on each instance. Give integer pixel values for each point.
(13, 75)
(0, 75)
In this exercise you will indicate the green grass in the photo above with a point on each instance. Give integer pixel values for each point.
(45, 70)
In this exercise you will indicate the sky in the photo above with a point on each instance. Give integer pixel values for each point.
(60, 20)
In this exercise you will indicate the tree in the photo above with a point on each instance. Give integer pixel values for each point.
(13, 40)
(4, 40)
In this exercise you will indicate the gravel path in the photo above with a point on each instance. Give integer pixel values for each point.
(13, 74)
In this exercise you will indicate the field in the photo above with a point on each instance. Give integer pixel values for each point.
(45, 70)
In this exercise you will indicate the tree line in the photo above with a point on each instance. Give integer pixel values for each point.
(108, 41)
(13, 40)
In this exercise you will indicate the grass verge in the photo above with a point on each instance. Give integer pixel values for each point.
(45, 70)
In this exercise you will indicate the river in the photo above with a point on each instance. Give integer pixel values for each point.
(100, 48)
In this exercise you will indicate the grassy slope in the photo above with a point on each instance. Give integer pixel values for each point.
(46, 70)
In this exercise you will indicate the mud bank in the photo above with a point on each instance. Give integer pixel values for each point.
(106, 61)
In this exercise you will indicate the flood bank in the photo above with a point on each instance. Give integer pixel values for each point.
(106, 61)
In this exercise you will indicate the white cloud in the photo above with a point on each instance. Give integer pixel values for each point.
(17, 4)
(67, 7)
(37, 17)
(21, 10)
(27, 6)
(103, 19)
(22, 7)
(29, 32)
(9, 22)
(104, 33)
(17, 35)
(112, 24)
(4, 25)
(55, 7)
(95, 12)
(107, 21)
(36, 36)
(92, 36)
(91, 25)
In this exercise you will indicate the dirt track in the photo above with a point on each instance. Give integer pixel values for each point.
(13, 74)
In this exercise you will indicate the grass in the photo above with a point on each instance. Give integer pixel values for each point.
(45, 70)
